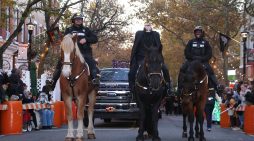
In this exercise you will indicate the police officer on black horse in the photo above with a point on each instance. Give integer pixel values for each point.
(85, 37)
(198, 49)
(143, 39)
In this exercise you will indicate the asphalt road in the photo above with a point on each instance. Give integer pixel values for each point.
(170, 129)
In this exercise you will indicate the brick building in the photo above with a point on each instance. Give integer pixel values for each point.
(16, 53)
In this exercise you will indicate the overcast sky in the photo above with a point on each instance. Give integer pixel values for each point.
(135, 25)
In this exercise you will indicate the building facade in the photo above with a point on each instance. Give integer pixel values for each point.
(249, 27)
(15, 55)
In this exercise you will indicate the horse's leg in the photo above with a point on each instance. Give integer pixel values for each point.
(90, 128)
(184, 134)
(155, 108)
(200, 115)
(191, 121)
(81, 101)
(68, 105)
(142, 117)
(197, 125)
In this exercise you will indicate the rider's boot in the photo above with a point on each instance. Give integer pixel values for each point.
(56, 74)
(168, 88)
(215, 83)
(95, 78)
(179, 87)
(167, 79)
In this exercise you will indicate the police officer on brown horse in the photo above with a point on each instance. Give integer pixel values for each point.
(85, 37)
(198, 49)
(144, 39)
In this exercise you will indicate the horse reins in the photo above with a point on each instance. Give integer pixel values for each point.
(147, 78)
(71, 79)
(196, 89)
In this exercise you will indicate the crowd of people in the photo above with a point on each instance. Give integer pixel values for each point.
(14, 89)
(235, 99)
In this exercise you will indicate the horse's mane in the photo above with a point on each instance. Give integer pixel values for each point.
(154, 54)
(198, 68)
(68, 46)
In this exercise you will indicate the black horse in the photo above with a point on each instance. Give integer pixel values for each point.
(194, 96)
(149, 92)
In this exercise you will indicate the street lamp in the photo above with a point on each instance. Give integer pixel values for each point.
(30, 27)
(244, 35)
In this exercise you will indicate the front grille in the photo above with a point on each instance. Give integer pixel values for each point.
(114, 87)
(116, 106)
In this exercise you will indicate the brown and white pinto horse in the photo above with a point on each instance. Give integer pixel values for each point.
(75, 85)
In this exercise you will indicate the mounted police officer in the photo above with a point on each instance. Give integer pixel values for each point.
(85, 37)
(143, 39)
(198, 49)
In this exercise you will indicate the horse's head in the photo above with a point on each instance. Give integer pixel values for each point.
(153, 68)
(70, 52)
(194, 77)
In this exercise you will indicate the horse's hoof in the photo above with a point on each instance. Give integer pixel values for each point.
(191, 139)
(138, 138)
(197, 135)
(156, 139)
(91, 136)
(69, 139)
(202, 139)
(147, 136)
(79, 139)
(184, 135)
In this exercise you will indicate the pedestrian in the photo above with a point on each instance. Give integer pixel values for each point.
(16, 88)
(46, 115)
(47, 89)
(209, 108)
(28, 98)
(4, 83)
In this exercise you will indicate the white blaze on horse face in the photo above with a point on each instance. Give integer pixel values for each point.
(66, 71)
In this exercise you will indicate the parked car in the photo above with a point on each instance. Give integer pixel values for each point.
(114, 99)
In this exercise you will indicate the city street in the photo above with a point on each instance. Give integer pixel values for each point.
(170, 129)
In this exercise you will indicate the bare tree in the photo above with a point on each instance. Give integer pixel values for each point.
(25, 14)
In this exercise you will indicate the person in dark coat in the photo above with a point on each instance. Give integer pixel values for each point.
(143, 40)
(4, 82)
(46, 89)
(198, 49)
(209, 109)
(16, 84)
(85, 38)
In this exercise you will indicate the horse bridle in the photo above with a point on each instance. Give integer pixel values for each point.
(196, 86)
(148, 80)
(73, 79)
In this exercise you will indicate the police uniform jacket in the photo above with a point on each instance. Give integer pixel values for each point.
(83, 32)
(198, 49)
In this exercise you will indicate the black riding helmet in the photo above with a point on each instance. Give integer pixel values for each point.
(76, 16)
(199, 28)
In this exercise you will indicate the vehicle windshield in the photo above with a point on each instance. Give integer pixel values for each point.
(114, 75)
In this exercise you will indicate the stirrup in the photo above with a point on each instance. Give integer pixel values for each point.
(169, 93)
(96, 81)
